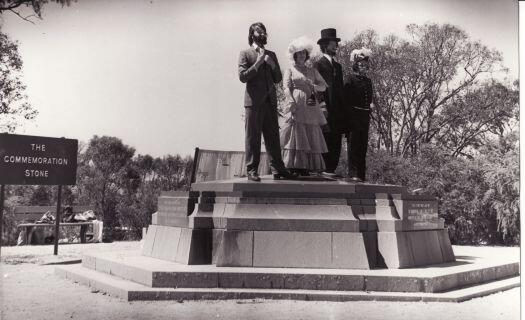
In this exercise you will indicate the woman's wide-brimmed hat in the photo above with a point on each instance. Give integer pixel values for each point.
(328, 35)
(360, 54)
(300, 44)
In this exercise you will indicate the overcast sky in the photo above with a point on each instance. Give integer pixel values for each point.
(162, 75)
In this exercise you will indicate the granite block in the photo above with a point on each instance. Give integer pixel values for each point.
(349, 251)
(440, 283)
(374, 188)
(392, 283)
(266, 281)
(324, 282)
(154, 218)
(426, 248)
(161, 220)
(160, 244)
(201, 220)
(386, 212)
(507, 270)
(201, 251)
(395, 249)
(445, 245)
(216, 243)
(292, 249)
(103, 265)
(184, 245)
(283, 224)
(185, 280)
(370, 241)
(147, 248)
(132, 273)
(235, 249)
(171, 243)
(89, 262)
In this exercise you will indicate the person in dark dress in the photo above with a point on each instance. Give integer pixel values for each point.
(332, 73)
(259, 69)
(358, 94)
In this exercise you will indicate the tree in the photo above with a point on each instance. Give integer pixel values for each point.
(173, 172)
(14, 106)
(481, 112)
(101, 173)
(416, 79)
(35, 5)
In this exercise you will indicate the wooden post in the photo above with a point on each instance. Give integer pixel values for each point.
(2, 190)
(57, 221)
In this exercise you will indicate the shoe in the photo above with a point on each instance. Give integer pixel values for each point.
(253, 176)
(285, 175)
(328, 174)
(355, 179)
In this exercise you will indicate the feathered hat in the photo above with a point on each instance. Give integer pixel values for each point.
(360, 54)
(300, 44)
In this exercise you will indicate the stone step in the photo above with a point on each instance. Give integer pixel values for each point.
(130, 291)
(158, 273)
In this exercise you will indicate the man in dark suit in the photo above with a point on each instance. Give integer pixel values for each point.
(260, 70)
(332, 73)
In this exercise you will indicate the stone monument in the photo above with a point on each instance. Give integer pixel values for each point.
(298, 224)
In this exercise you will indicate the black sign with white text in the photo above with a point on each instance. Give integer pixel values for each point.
(37, 160)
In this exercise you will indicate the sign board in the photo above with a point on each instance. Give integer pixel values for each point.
(37, 160)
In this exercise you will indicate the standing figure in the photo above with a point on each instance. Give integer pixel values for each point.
(358, 92)
(332, 73)
(302, 138)
(259, 69)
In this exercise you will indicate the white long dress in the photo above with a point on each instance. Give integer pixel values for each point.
(302, 139)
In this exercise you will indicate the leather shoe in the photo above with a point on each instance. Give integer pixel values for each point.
(253, 176)
(285, 175)
(355, 179)
(328, 174)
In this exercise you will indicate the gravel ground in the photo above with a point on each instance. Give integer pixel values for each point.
(29, 289)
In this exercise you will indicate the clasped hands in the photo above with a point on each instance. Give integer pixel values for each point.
(263, 57)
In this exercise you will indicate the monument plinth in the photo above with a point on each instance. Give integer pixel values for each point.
(298, 224)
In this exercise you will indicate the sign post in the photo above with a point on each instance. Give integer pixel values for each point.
(37, 160)
(57, 220)
(2, 191)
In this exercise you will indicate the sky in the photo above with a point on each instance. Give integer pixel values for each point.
(162, 75)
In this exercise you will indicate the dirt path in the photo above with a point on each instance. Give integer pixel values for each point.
(32, 291)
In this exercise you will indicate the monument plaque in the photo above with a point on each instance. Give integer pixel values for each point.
(422, 215)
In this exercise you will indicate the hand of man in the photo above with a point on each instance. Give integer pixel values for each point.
(269, 61)
(260, 57)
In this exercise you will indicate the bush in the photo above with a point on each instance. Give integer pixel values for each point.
(478, 198)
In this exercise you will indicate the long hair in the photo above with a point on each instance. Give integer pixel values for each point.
(251, 31)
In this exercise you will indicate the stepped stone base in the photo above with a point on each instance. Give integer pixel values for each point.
(298, 224)
(132, 276)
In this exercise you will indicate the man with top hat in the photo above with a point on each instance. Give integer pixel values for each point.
(358, 93)
(332, 73)
(259, 69)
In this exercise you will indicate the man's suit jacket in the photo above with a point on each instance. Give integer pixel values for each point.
(333, 96)
(259, 82)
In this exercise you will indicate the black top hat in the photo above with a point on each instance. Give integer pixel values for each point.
(327, 35)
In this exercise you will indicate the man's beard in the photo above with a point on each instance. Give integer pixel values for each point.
(260, 40)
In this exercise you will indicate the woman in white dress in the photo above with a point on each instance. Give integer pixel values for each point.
(302, 139)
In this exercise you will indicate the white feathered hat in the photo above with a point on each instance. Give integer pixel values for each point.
(300, 44)
(360, 54)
